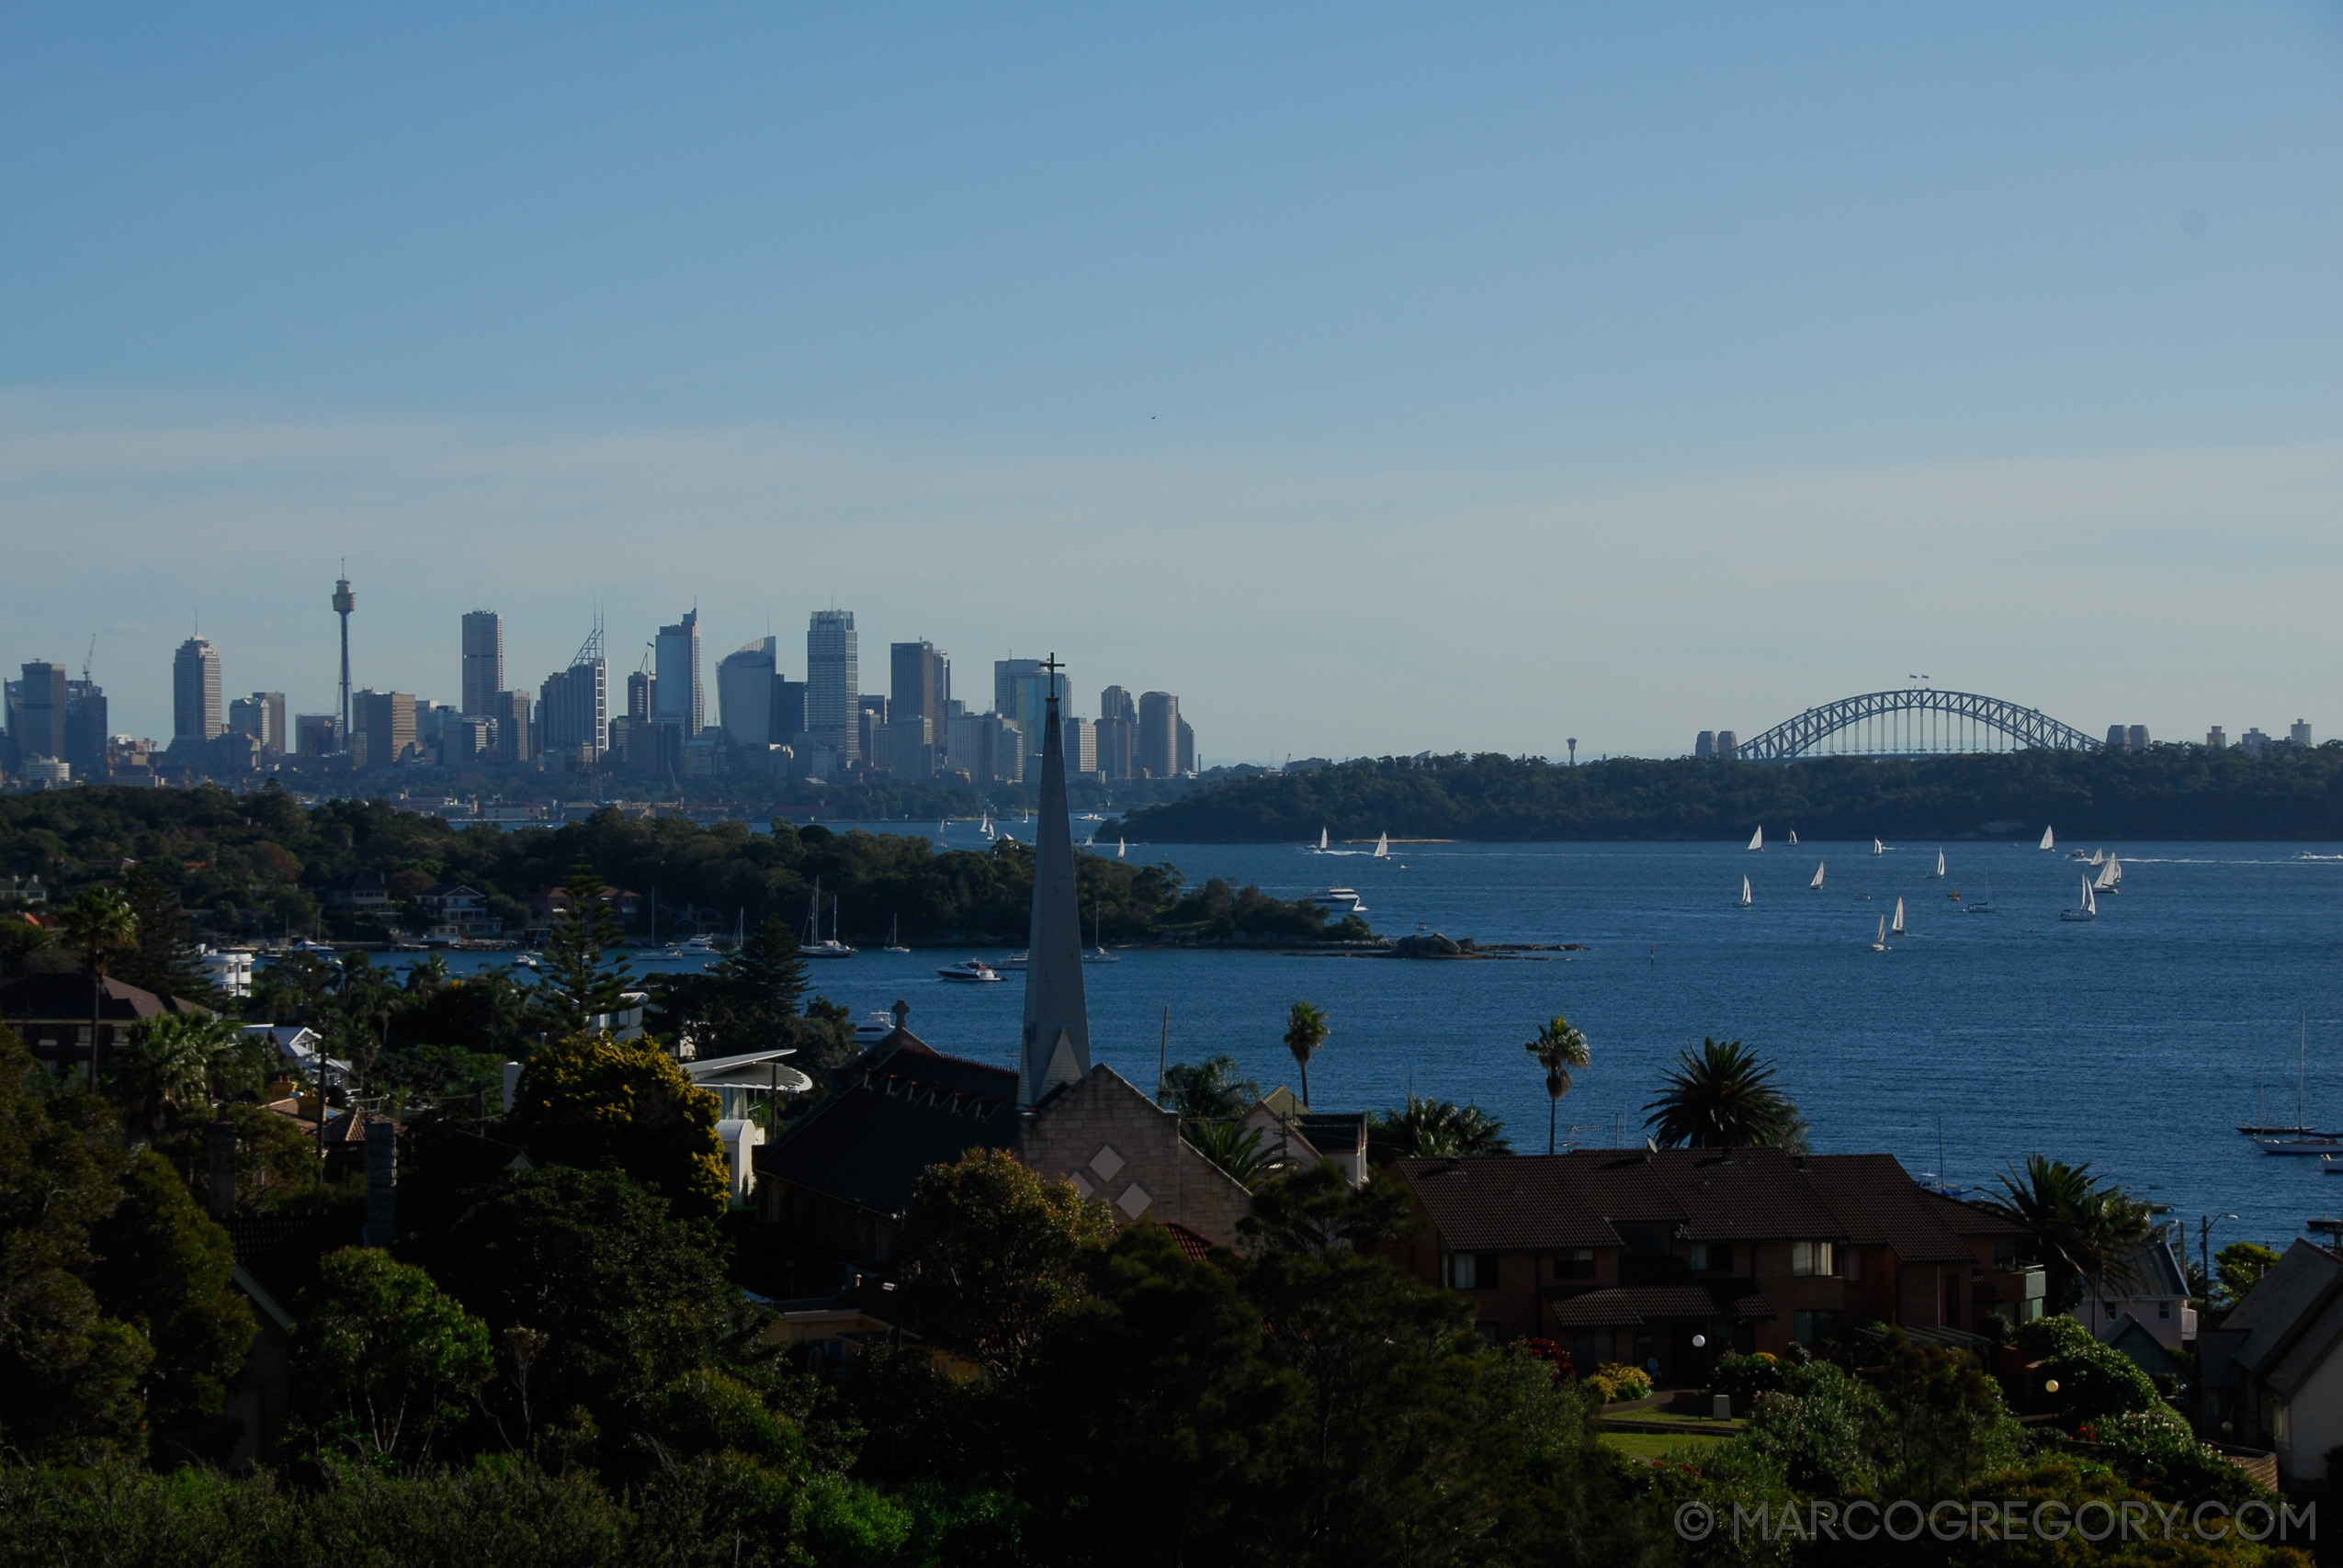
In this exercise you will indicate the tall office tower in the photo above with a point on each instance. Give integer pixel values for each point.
(986, 747)
(511, 715)
(744, 694)
(36, 708)
(387, 735)
(317, 734)
(2299, 733)
(1117, 743)
(641, 688)
(921, 678)
(1114, 702)
(1021, 695)
(573, 706)
(483, 661)
(88, 741)
(833, 684)
(675, 698)
(1159, 735)
(344, 602)
(1081, 745)
(792, 716)
(1187, 759)
(249, 716)
(195, 692)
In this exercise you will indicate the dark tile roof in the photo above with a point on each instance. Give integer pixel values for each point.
(1333, 1132)
(1625, 1306)
(66, 997)
(901, 1108)
(2282, 1303)
(1528, 1202)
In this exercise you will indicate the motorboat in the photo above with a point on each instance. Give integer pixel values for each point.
(1016, 961)
(974, 970)
(875, 1028)
(1338, 900)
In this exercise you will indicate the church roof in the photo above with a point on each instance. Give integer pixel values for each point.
(903, 1107)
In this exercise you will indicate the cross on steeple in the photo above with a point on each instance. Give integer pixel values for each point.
(1050, 667)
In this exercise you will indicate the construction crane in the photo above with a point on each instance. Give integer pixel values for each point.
(90, 656)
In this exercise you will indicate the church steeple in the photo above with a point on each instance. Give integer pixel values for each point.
(1057, 1036)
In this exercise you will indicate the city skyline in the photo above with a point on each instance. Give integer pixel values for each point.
(1401, 386)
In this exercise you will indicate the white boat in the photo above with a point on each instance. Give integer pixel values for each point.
(1756, 839)
(2331, 1164)
(875, 1028)
(1382, 846)
(814, 946)
(2087, 910)
(2111, 877)
(1877, 848)
(1879, 942)
(1816, 883)
(1794, 835)
(694, 945)
(894, 942)
(1339, 900)
(2048, 842)
(1940, 862)
(1896, 929)
(1015, 961)
(975, 970)
(1746, 899)
(1098, 953)
(1320, 846)
(2321, 1143)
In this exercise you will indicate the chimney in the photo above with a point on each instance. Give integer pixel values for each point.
(381, 1183)
(512, 1083)
(222, 1148)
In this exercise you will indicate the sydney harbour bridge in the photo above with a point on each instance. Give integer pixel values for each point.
(1916, 721)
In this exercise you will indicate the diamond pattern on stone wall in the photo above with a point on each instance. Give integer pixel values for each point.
(1106, 1162)
(1133, 1200)
(1082, 1183)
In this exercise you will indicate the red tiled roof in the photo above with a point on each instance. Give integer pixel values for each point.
(1197, 1248)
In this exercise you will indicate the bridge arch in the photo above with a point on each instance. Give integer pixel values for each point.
(1914, 721)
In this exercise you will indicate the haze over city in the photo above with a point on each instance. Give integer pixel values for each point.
(1376, 381)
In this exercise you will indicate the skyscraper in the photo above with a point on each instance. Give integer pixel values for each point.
(833, 684)
(37, 707)
(676, 698)
(195, 692)
(573, 718)
(1185, 761)
(483, 661)
(1159, 735)
(261, 717)
(1118, 734)
(744, 694)
(512, 715)
(386, 728)
(923, 685)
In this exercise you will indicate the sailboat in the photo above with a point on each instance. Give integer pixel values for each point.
(1877, 848)
(2048, 840)
(1319, 848)
(2099, 857)
(895, 942)
(817, 948)
(1940, 862)
(1119, 847)
(1746, 899)
(1879, 942)
(2087, 910)
(1896, 929)
(1756, 839)
(1098, 953)
(2299, 1139)
(1816, 883)
(2111, 877)
(1794, 835)
(1382, 846)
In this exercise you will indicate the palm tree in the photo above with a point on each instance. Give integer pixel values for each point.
(1236, 1149)
(1435, 1129)
(2081, 1230)
(100, 923)
(1559, 1047)
(1304, 1032)
(181, 1059)
(1723, 1097)
(1212, 1091)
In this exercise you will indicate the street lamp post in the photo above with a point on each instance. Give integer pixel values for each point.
(2204, 1248)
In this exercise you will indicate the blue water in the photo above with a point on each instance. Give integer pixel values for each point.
(2137, 1042)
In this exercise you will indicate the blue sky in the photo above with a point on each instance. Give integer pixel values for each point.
(1376, 378)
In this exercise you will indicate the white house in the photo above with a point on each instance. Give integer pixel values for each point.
(2155, 1294)
(229, 968)
(2271, 1375)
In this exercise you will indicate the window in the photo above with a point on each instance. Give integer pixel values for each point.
(1811, 1257)
(1850, 1264)
(1713, 1257)
(1814, 1328)
(2164, 1309)
(1472, 1270)
(1575, 1264)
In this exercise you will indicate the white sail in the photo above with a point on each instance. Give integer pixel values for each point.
(2099, 857)
(1756, 839)
(2048, 842)
(2114, 872)
(1794, 835)
(1898, 927)
(1745, 893)
(1879, 942)
(1321, 841)
(2106, 878)
(1940, 862)
(2090, 900)
(1382, 846)
(1119, 847)
(1877, 848)
(1816, 883)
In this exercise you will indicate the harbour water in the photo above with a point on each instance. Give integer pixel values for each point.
(2136, 1042)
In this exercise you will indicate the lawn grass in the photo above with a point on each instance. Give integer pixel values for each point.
(1659, 1445)
(1662, 1417)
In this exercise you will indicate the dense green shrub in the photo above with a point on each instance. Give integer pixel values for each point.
(2094, 1380)
(1743, 1378)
